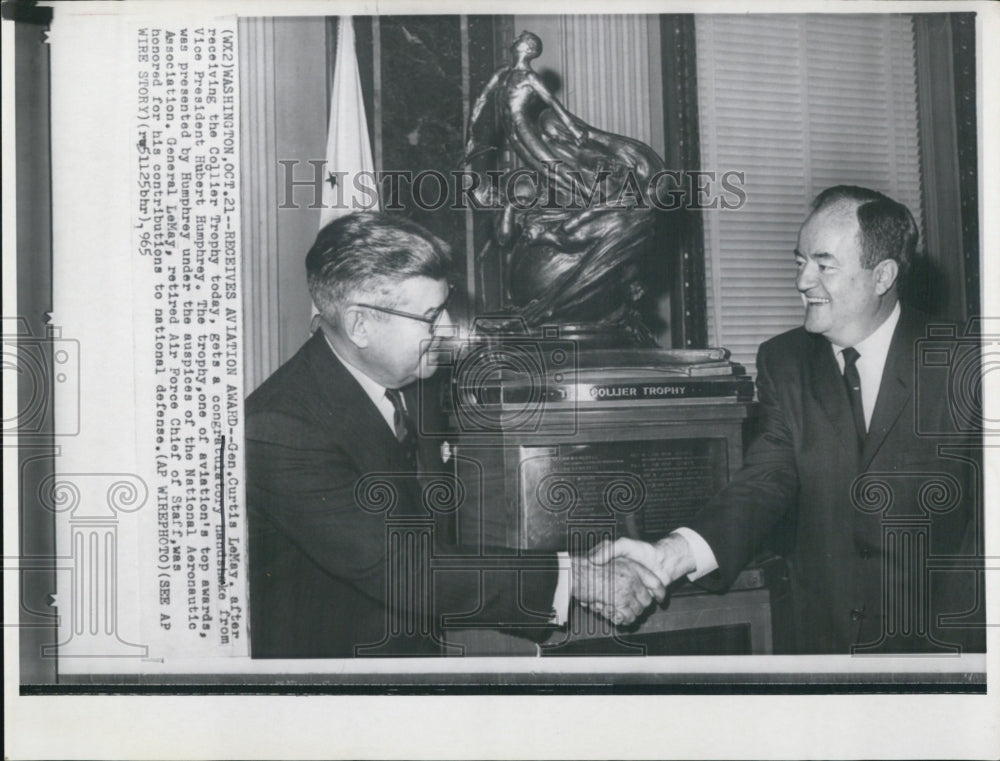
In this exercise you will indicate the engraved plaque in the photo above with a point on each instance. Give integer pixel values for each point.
(645, 489)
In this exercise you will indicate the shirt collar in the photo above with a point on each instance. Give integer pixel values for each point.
(877, 344)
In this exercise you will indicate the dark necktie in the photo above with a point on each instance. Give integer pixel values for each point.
(853, 382)
(402, 425)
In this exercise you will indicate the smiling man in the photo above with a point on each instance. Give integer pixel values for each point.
(341, 526)
(870, 504)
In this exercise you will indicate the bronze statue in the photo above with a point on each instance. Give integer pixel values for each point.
(573, 242)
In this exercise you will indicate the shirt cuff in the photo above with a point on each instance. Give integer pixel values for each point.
(564, 584)
(704, 558)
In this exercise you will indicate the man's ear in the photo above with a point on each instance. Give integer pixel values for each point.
(886, 273)
(356, 324)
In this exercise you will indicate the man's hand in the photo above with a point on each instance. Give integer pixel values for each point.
(618, 589)
(668, 559)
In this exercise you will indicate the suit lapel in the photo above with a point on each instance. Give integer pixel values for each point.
(365, 430)
(894, 391)
(827, 387)
(348, 402)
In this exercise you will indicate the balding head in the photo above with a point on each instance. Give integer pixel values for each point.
(886, 228)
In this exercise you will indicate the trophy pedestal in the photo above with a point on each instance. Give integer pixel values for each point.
(637, 470)
(601, 453)
(549, 437)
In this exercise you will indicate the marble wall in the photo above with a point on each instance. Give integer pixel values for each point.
(422, 73)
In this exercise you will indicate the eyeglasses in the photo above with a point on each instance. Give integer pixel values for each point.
(433, 319)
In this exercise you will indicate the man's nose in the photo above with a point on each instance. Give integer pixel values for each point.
(806, 277)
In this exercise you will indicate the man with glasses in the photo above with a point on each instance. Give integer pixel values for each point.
(337, 514)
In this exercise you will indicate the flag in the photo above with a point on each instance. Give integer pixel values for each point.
(348, 150)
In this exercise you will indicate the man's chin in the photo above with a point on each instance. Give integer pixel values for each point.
(426, 370)
(813, 323)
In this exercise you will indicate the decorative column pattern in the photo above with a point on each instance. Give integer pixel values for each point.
(93, 501)
(409, 551)
(588, 524)
(906, 552)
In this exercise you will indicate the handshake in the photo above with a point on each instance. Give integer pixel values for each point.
(619, 580)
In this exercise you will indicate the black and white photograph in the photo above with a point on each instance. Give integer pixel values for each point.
(593, 372)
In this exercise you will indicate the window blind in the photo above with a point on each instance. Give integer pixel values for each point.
(798, 103)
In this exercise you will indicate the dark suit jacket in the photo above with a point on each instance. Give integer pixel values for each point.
(861, 522)
(339, 532)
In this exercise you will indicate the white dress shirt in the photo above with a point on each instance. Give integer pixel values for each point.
(376, 392)
(872, 354)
